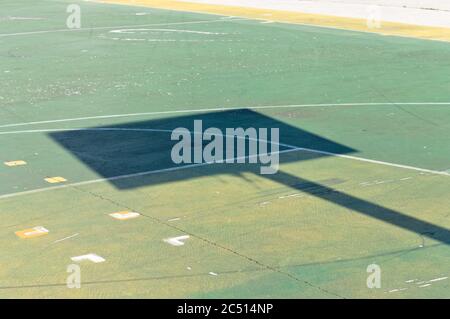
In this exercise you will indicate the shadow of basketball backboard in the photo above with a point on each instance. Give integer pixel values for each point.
(129, 149)
(143, 146)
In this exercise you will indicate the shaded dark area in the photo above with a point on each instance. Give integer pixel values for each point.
(364, 207)
(126, 149)
(129, 149)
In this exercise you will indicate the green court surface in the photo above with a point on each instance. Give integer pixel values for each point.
(372, 187)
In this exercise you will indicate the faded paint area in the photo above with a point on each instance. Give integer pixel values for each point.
(308, 232)
(289, 16)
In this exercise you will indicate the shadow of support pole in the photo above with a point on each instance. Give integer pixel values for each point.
(381, 213)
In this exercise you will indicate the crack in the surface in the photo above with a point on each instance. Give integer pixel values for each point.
(212, 243)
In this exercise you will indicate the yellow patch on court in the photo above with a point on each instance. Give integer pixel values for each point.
(355, 24)
(124, 215)
(32, 232)
(55, 180)
(15, 163)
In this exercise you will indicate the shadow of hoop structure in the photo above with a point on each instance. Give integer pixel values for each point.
(129, 149)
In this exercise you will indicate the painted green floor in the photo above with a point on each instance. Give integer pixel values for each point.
(263, 237)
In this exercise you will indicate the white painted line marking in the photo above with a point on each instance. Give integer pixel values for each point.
(91, 257)
(291, 195)
(65, 238)
(396, 290)
(100, 180)
(22, 18)
(221, 109)
(144, 30)
(422, 170)
(292, 149)
(437, 279)
(124, 215)
(176, 241)
(2, 35)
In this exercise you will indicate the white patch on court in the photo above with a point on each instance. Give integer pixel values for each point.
(174, 219)
(124, 215)
(55, 180)
(438, 279)
(176, 241)
(89, 257)
(32, 232)
(15, 163)
(213, 273)
(426, 285)
(38, 229)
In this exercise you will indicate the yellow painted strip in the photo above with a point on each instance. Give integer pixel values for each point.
(15, 163)
(32, 232)
(386, 28)
(55, 180)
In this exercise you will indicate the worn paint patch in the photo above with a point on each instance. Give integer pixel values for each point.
(55, 180)
(355, 24)
(176, 241)
(32, 232)
(15, 163)
(124, 215)
(89, 257)
(438, 279)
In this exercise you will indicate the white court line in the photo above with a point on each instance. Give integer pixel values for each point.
(65, 238)
(115, 178)
(2, 35)
(219, 109)
(282, 22)
(292, 148)
(132, 31)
